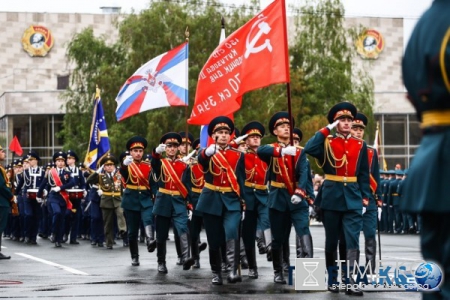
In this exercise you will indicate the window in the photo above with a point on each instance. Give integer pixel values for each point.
(63, 82)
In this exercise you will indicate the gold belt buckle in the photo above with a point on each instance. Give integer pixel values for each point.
(217, 188)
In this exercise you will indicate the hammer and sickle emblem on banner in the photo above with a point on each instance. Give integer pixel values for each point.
(251, 47)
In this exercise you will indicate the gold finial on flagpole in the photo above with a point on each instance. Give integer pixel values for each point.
(186, 33)
(97, 92)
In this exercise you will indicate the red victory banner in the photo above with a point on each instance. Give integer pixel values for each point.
(252, 57)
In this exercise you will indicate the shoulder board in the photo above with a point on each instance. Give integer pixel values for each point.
(330, 136)
(299, 147)
(371, 148)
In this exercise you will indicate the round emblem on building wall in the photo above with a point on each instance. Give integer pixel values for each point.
(37, 40)
(370, 44)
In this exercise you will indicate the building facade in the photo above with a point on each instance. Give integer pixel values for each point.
(30, 87)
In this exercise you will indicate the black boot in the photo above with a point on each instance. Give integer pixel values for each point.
(178, 248)
(252, 268)
(215, 260)
(201, 246)
(1, 255)
(233, 256)
(125, 239)
(268, 238)
(150, 238)
(286, 256)
(188, 262)
(298, 246)
(371, 253)
(161, 255)
(195, 252)
(261, 242)
(226, 267)
(352, 256)
(330, 261)
(243, 256)
(134, 250)
(306, 246)
(277, 266)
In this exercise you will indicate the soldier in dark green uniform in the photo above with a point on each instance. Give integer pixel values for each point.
(287, 194)
(110, 190)
(221, 198)
(395, 200)
(426, 74)
(345, 190)
(6, 197)
(137, 196)
(172, 199)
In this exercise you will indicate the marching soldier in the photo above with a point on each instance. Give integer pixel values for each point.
(57, 181)
(6, 198)
(109, 182)
(172, 199)
(30, 183)
(195, 185)
(304, 243)
(221, 199)
(255, 195)
(426, 69)
(73, 217)
(287, 194)
(371, 211)
(345, 190)
(17, 221)
(395, 200)
(390, 188)
(137, 196)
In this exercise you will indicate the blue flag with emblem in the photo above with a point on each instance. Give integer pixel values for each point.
(99, 140)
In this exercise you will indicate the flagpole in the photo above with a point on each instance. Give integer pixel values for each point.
(288, 92)
(186, 113)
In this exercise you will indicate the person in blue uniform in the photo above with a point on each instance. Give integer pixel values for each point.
(17, 229)
(137, 196)
(390, 189)
(395, 200)
(30, 182)
(172, 199)
(6, 197)
(72, 218)
(288, 173)
(56, 182)
(426, 75)
(345, 190)
(221, 200)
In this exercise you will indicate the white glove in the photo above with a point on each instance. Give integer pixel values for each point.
(311, 210)
(15, 199)
(379, 213)
(331, 126)
(296, 199)
(99, 170)
(239, 139)
(211, 150)
(128, 160)
(84, 193)
(188, 157)
(364, 210)
(190, 215)
(44, 193)
(100, 192)
(160, 149)
(39, 200)
(56, 189)
(289, 150)
(243, 216)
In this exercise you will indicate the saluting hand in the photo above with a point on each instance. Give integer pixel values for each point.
(161, 148)
(239, 139)
(128, 160)
(334, 124)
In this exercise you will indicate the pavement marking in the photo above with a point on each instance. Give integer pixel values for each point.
(65, 268)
